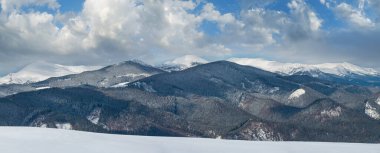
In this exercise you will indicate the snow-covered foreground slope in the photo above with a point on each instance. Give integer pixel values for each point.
(41, 70)
(40, 140)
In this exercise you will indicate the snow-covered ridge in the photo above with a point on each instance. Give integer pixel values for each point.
(41, 70)
(42, 140)
(134, 75)
(340, 69)
(184, 62)
(187, 60)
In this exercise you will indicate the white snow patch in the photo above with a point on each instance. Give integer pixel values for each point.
(145, 86)
(134, 75)
(119, 85)
(273, 90)
(371, 111)
(41, 88)
(95, 116)
(296, 94)
(336, 112)
(43, 126)
(263, 135)
(39, 140)
(378, 101)
(65, 126)
(340, 69)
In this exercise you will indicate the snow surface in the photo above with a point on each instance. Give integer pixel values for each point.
(41, 70)
(378, 101)
(296, 94)
(371, 111)
(94, 116)
(186, 61)
(41, 88)
(119, 85)
(340, 69)
(42, 140)
(336, 112)
(65, 126)
(134, 75)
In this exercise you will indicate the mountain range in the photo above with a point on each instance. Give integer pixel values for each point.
(42, 70)
(218, 99)
(337, 72)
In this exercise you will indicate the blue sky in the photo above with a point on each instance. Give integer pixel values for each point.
(225, 6)
(71, 5)
(109, 31)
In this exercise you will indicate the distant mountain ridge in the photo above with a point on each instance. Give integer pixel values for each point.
(42, 70)
(337, 72)
(182, 63)
(339, 69)
(117, 75)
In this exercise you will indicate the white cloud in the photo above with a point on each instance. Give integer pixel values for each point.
(114, 30)
(261, 24)
(251, 32)
(29, 31)
(210, 13)
(11, 5)
(306, 17)
(375, 6)
(108, 31)
(315, 22)
(355, 17)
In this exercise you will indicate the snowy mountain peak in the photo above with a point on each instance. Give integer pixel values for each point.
(42, 70)
(187, 60)
(340, 69)
(345, 68)
(183, 62)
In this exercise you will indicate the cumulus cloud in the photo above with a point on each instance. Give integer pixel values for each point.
(11, 5)
(109, 31)
(356, 44)
(307, 16)
(112, 30)
(354, 16)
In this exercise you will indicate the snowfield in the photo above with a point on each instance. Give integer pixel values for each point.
(296, 94)
(42, 140)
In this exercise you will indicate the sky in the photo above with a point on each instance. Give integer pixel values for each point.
(101, 32)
